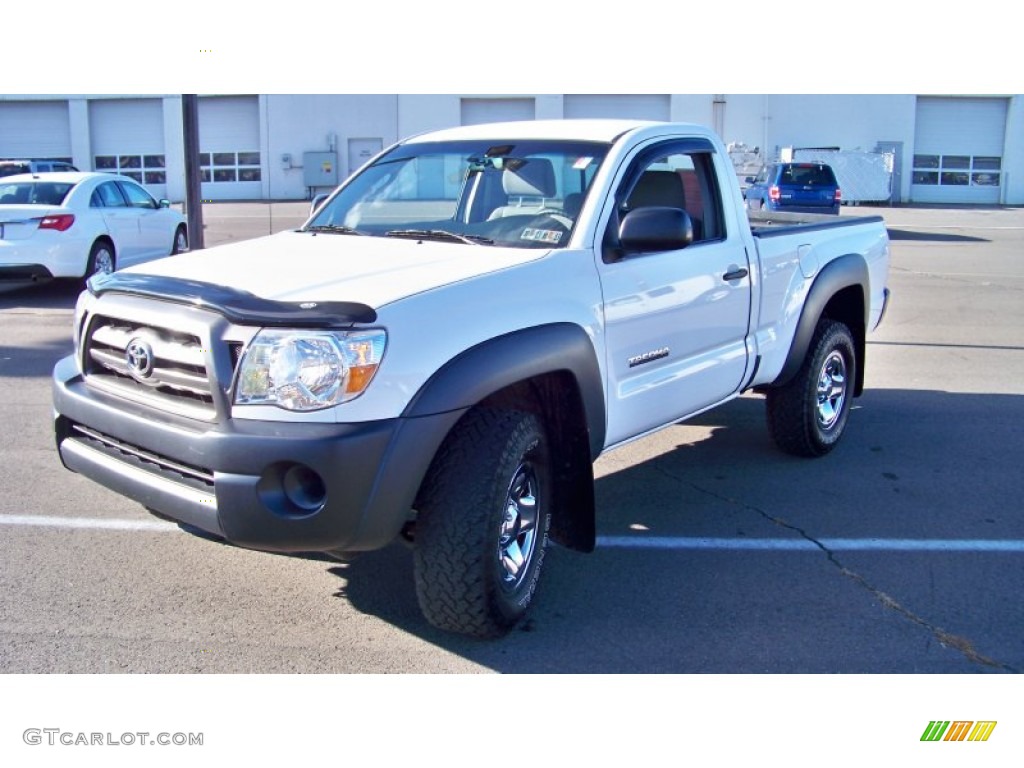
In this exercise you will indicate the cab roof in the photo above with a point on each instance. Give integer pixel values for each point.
(578, 129)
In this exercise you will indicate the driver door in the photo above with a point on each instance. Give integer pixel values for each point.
(676, 321)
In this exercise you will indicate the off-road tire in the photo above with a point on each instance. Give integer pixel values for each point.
(485, 502)
(808, 415)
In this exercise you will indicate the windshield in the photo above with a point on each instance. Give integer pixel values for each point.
(520, 194)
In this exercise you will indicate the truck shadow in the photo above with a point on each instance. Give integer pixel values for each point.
(48, 294)
(914, 464)
(36, 361)
(898, 234)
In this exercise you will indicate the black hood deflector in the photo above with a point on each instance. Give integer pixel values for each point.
(240, 307)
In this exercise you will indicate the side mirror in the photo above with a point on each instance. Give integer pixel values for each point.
(318, 200)
(655, 228)
(164, 203)
(748, 180)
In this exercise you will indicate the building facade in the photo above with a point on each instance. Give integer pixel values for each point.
(966, 149)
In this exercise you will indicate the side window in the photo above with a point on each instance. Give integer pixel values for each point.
(683, 179)
(107, 195)
(137, 196)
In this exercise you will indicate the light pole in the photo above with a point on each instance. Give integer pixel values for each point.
(193, 181)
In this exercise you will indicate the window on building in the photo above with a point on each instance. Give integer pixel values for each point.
(145, 169)
(957, 170)
(229, 166)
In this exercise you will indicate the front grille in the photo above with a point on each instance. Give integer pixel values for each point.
(162, 367)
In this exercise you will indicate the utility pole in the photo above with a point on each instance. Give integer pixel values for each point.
(193, 180)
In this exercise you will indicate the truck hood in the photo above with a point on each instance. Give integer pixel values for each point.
(307, 266)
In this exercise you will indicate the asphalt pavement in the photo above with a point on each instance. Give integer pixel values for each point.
(900, 552)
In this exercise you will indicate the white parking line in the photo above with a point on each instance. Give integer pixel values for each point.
(609, 542)
(88, 523)
(805, 545)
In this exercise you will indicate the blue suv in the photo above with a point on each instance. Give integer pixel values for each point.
(796, 187)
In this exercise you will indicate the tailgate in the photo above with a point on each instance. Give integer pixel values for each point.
(807, 195)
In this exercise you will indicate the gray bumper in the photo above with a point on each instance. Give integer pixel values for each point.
(237, 480)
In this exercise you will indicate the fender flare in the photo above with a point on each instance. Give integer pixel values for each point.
(497, 363)
(843, 272)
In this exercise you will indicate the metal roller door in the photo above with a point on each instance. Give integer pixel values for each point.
(635, 106)
(127, 137)
(478, 111)
(35, 130)
(958, 150)
(229, 148)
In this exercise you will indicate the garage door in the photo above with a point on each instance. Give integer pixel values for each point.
(35, 129)
(477, 111)
(634, 106)
(229, 148)
(958, 150)
(128, 137)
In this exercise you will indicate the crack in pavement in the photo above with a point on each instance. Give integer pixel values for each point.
(944, 638)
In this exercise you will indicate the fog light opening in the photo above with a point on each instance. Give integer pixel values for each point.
(304, 488)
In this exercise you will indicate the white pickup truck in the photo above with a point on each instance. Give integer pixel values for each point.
(453, 337)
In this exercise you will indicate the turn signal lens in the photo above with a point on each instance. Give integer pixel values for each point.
(60, 221)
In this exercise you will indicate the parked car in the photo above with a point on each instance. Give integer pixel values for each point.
(15, 167)
(77, 224)
(795, 187)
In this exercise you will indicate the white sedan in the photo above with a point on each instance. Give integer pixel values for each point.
(78, 224)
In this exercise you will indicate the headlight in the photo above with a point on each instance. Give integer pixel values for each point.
(308, 370)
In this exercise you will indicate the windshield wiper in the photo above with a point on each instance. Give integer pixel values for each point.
(336, 229)
(440, 234)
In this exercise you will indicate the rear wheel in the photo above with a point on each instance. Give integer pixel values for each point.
(101, 259)
(482, 527)
(807, 416)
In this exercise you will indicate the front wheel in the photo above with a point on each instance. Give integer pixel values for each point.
(482, 524)
(807, 416)
(180, 241)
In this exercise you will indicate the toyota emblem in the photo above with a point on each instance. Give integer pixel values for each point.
(139, 357)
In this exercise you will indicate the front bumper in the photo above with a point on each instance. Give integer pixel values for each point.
(824, 210)
(274, 486)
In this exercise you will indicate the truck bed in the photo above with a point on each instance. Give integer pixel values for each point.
(772, 223)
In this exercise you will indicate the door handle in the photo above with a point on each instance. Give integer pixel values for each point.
(735, 274)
